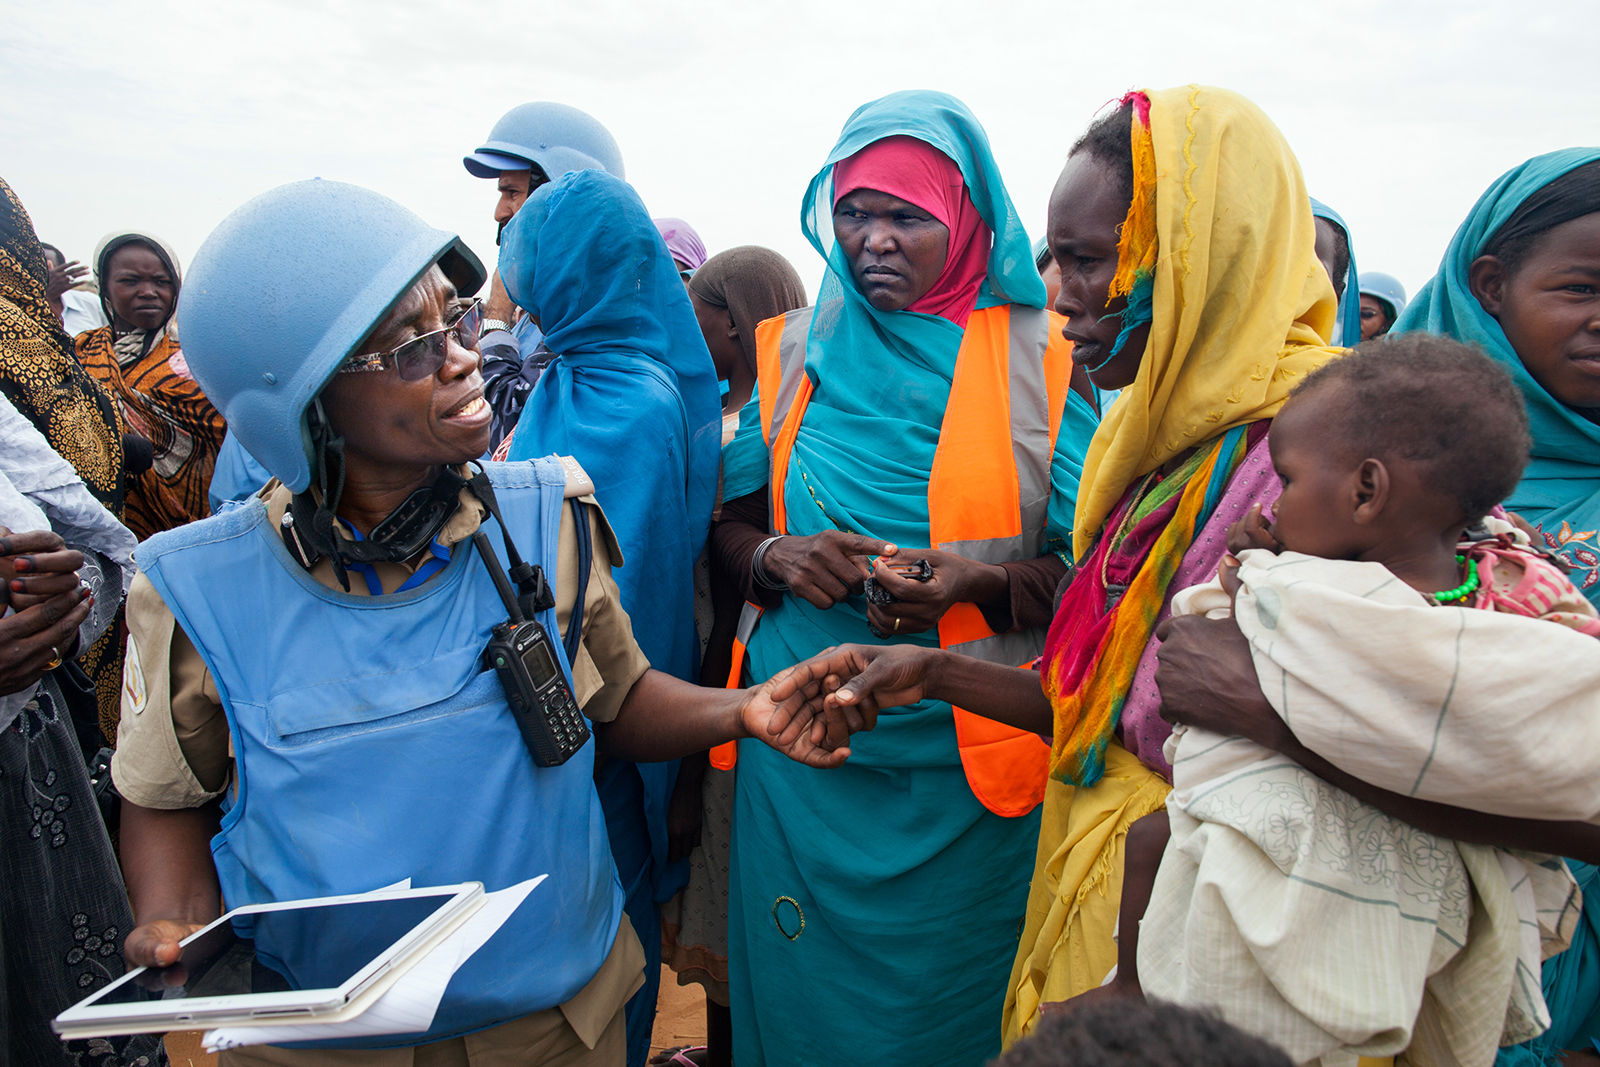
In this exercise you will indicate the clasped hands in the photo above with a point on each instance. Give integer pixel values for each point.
(39, 582)
(823, 569)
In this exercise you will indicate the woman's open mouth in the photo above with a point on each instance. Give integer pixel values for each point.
(473, 410)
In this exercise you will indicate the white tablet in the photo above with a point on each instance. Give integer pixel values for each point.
(293, 960)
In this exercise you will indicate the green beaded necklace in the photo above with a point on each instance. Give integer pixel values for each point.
(1462, 591)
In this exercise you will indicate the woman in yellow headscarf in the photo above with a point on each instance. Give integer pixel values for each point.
(1186, 244)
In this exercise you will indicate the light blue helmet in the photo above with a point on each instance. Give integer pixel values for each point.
(284, 289)
(557, 137)
(1384, 287)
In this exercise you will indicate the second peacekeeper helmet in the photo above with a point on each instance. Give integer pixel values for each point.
(1386, 288)
(284, 289)
(557, 137)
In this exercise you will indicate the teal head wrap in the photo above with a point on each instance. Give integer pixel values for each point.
(1560, 491)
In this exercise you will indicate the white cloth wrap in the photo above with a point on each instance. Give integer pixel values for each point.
(1314, 920)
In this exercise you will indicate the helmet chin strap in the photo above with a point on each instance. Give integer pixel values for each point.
(406, 531)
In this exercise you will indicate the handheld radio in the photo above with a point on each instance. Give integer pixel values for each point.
(536, 687)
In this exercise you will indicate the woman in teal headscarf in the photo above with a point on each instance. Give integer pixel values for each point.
(632, 395)
(1335, 251)
(874, 914)
(1521, 280)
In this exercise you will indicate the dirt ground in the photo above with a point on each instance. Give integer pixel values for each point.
(680, 1020)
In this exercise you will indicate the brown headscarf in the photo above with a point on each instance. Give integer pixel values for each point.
(754, 284)
(38, 372)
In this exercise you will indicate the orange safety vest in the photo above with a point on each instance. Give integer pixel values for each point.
(988, 494)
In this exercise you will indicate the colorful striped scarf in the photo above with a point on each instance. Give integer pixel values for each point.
(1110, 610)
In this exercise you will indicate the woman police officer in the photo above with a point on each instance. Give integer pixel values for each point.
(349, 728)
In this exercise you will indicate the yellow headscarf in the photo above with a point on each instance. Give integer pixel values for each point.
(1242, 307)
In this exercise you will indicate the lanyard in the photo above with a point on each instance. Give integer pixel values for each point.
(438, 559)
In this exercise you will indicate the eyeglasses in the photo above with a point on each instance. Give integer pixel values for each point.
(421, 357)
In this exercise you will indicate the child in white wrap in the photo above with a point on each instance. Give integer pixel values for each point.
(1417, 650)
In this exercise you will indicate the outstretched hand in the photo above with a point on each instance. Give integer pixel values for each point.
(789, 715)
(857, 680)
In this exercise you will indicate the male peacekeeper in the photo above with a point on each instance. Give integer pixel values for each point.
(310, 667)
(531, 145)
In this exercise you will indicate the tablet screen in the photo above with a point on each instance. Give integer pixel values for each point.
(315, 947)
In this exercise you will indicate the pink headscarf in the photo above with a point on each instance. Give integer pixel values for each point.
(920, 174)
(684, 244)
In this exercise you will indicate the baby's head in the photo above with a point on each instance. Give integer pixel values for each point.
(1133, 1033)
(1404, 440)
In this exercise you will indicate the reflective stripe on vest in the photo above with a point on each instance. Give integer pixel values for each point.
(988, 495)
(726, 755)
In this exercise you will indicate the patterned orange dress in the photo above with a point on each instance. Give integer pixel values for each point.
(162, 402)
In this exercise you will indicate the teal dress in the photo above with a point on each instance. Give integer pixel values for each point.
(875, 908)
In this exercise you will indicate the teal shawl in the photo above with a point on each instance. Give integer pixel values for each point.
(1347, 326)
(911, 890)
(1560, 491)
(1571, 985)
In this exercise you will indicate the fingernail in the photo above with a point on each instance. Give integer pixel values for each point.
(22, 563)
(18, 586)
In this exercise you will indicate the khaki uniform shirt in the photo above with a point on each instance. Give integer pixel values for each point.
(174, 749)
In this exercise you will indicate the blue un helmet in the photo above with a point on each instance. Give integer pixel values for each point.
(555, 137)
(1386, 289)
(287, 287)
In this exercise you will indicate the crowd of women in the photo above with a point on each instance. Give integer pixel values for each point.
(1022, 583)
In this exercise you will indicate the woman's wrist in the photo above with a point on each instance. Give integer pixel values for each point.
(987, 583)
(764, 577)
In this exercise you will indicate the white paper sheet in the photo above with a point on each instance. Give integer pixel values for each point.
(409, 1005)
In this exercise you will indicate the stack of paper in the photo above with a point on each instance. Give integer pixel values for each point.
(402, 1004)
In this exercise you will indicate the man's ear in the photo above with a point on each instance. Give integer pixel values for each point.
(1487, 279)
(1372, 491)
(733, 329)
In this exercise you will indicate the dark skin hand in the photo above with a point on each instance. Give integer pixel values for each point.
(859, 680)
(1208, 679)
(35, 566)
(956, 580)
(41, 584)
(823, 569)
(1086, 209)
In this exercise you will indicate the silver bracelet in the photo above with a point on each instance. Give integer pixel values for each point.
(490, 325)
(758, 572)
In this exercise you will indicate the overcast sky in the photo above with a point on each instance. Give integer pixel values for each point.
(165, 116)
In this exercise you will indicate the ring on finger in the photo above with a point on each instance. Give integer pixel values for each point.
(897, 624)
(56, 661)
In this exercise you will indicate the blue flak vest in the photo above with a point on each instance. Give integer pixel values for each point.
(371, 745)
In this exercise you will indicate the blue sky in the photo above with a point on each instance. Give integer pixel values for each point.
(165, 115)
